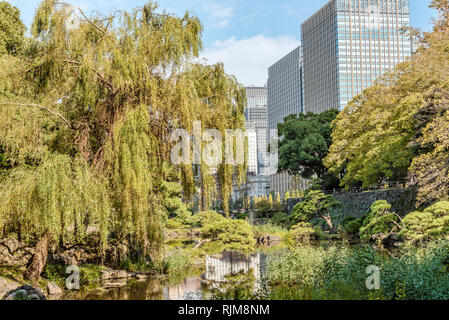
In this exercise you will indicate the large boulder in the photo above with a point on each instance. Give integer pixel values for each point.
(24, 293)
(115, 253)
(74, 256)
(13, 253)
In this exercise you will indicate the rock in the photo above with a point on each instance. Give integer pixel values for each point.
(14, 253)
(268, 240)
(120, 274)
(105, 275)
(141, 276)
(7, 285)
(75, 256)
(24, 293)
(117, 253)
(12, 244)
(53, 289)
(109, 274)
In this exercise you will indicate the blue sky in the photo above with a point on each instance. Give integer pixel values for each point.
(247, 35)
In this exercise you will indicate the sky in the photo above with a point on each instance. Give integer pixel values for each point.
(248, 36)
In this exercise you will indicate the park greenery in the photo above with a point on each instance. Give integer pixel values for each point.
(88, 103)
(397, 129)
(304, 143)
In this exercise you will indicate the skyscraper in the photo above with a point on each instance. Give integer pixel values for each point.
(256, 111)
(257, 180)
(347, 45)
(252, 147)
(285, 97)
(284, 88)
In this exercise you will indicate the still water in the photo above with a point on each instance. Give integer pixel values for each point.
(218, 268)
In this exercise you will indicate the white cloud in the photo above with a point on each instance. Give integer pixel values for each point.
(249, 59)
(218, 14)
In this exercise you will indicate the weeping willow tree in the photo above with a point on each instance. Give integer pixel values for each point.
(86, 114)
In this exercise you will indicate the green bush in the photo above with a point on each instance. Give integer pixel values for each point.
(378, 221)
(352, 225)
(432, 224)
(242, 216)
(174, 224)
(301, 233)
(203, 218)
(339, 272)
(234, 234)
(281, 219)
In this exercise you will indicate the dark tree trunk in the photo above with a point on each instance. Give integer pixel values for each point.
(39, 259)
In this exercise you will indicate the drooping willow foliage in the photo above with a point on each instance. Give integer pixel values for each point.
(60, 197)
(86, 114)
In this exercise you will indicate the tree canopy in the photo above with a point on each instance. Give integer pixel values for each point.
(12, 30)
(305, 141)
(86, 114)
(397, 129)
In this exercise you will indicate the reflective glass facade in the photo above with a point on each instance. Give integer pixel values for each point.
(256, 111)
(284, 89)
(347, 45)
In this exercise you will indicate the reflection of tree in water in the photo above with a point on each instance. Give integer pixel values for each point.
(134, 290)
(230, 274)
(229, 263)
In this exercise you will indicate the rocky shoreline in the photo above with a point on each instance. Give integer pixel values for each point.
(15, 255)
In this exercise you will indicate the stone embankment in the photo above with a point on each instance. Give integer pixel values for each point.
(14, 254)
(356, 204)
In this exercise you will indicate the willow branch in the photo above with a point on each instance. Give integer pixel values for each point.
(50, 111)
(97, 73)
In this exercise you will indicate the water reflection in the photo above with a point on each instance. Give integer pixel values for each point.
(218, 269)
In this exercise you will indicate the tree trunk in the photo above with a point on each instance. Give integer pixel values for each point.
(328, 220)
(39, 259)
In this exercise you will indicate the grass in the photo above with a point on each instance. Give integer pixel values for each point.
(272, 230)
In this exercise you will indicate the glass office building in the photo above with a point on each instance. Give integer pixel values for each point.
(284, 89)
(256, 111)
(285, 97)
(347, 45)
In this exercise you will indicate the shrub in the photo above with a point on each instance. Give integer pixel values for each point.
(352, 225)
(242, 216)
(203, 218)
(378, 221)
(264, 209)
(316, 204)
(432, 224)
(281, 219)
(301, 233)
(174, 224)
(339, 272)
(234, 234)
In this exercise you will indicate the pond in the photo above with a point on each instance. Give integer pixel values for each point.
(218, 269)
